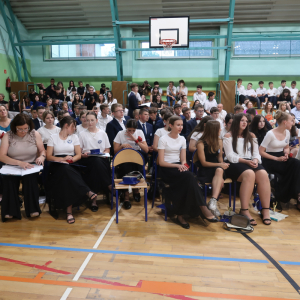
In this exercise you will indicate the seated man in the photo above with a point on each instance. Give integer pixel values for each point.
(103, 117)
(58, 94)
(238, 109)
(272, 92)
(251, 94)
(199, 95)
(145, 88)
(294, 90)
(90, 94)
(222, 112)
(214, 112)
(146, 127)
(210, 102)
(199, 111)
(133, 100)
(240, 90)
(296, 112)
(262, 93)
(186, 112)
(171, 93)
(38, 122)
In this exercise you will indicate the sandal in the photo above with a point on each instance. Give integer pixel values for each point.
(261, 215)
(91, 197)
(71, 220)
(252, 220)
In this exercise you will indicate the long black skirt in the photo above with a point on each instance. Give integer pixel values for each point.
(235, 170)
(206, 174)
(288, 172)
(97, 174)
(66, 185)
(184, 193)
(10, 199)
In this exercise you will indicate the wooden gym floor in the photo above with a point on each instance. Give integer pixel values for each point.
(95, 258)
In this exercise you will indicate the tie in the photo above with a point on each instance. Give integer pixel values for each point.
(41, 123)
(198, 119)
(144, 128)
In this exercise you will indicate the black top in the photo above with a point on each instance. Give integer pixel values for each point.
(59, 96)
(88, 96)
(14, 105)
(49, 91)
(80, 90)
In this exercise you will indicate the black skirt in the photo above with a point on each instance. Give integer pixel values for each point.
(288, 172)
(10, 199)
(235, 170)
(97, 174)
(66, 185)
(206, 175)
(184, 193)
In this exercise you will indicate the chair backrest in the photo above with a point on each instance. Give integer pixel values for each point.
(195, 158)
(128, 156)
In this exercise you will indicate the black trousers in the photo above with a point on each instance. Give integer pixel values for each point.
(10, 199)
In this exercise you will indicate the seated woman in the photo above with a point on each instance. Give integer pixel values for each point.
(162, 131)
(196, 134)
(97, 172)
(286, 96)
(184, 99)
(63, 150)
(132, 138)
(49, 128)
(154, 94)
(25, 105)
(294, 133)
(228, 122)
(210, 154)
(275, 153)
(259, 128)
(184, 192)
(283, 107)
(110, 99)
(13, 103)
(248, 104)
(241, 150)
(49, 104)
(269, 114)
(4, 120)
(160, 104)
(19, 147)
(84, 124)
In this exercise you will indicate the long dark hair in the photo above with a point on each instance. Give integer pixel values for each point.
(211, 136)
(193, 107)
(235, 128)
(200, 127)
(70, 84)
(254, 125)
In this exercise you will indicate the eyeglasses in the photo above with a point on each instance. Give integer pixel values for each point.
(200, 110)
(119, 111)
(22, 130)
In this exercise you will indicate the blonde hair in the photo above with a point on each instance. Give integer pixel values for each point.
(47, 112)
(281, 116)
(282, 103)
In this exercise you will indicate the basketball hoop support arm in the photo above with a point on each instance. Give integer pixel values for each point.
(229, 39)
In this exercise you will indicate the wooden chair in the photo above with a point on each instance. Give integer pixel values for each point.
(128, 156)
(208, 184)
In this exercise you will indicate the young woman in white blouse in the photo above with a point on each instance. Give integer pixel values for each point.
(184, 192)
(67, 185)
(97, 172)
(196, 134)
(49, 128)
(241, 150)
(84, 124)
(181, 89)
(275, 151)
(162, 131)
(110, 99)
(132, 138)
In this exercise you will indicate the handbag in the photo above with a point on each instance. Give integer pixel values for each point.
(239, 224)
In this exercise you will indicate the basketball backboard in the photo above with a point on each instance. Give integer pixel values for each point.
(176, 28)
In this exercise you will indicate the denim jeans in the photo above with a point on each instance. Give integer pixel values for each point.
(169, 99)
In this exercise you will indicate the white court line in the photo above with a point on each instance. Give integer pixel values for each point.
(86, 261)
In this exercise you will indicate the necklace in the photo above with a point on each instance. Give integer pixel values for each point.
(93, 134)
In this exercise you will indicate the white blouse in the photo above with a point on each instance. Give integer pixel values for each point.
(93, 140)
(63, 147)
(79, 129)
(110, 103)
(196, 136)
(121, 138)
(272, 144)
(161, 132)
(234, 157)
(46, 133)
(223, 132)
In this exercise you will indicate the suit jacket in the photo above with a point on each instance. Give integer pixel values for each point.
(159, 124)
(133, 104)
(190, 125)
(36, 123)
(183, 132)
(149, 134)
(112, 129)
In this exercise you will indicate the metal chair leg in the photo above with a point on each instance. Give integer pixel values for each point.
(229, 194)
(234, 195)
(117, 207)
(112, 198)
(145, 200)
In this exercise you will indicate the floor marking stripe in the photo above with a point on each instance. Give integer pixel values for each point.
(137, 253)
(274, 262)
(66, 294)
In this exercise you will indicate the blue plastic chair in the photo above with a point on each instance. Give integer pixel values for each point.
(127, 155)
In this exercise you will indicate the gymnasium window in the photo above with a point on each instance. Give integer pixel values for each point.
(178, 54)
(267, 48)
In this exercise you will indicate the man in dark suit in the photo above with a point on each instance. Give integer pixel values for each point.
(117, 124)
(177, 111)
(38, 122)
(146, 127)
(133, 102)
(199, 111)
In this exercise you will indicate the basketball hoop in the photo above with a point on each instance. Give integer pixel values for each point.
(168, 44)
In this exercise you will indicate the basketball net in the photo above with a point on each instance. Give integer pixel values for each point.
(168, 44)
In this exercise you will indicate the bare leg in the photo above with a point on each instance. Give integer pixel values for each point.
(247, 178)
(264, 192)
(69, 215)
(217, 183)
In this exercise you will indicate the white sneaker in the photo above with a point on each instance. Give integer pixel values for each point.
(212, 206)
(275, 106)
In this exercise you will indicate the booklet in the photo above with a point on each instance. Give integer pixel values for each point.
(18, 171)
(100, 154)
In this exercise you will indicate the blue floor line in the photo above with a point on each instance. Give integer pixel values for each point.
(135, 253)
(294, 263)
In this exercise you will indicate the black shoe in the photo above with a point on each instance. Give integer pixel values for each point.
(94, 208)
(122, 197)
(137, 197)
(127, 204)
(213, 220)
(185, 226)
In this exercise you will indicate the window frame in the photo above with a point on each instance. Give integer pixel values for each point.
(47, 50)
(214, 55)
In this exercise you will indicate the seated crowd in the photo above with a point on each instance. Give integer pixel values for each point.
(58, 128)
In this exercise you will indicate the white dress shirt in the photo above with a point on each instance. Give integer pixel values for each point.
(209, 104)
(261, 91)
(222, 115)
(250, 93)
(102, 122)
(201, 97)
(294, 92)
(145, 128)
(121, 124)
(272, 92)
(280, 89)
(241, 90)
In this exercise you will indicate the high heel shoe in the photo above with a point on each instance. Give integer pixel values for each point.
(252, 220)
(262, 217)
(185, 226)
(213, 220)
